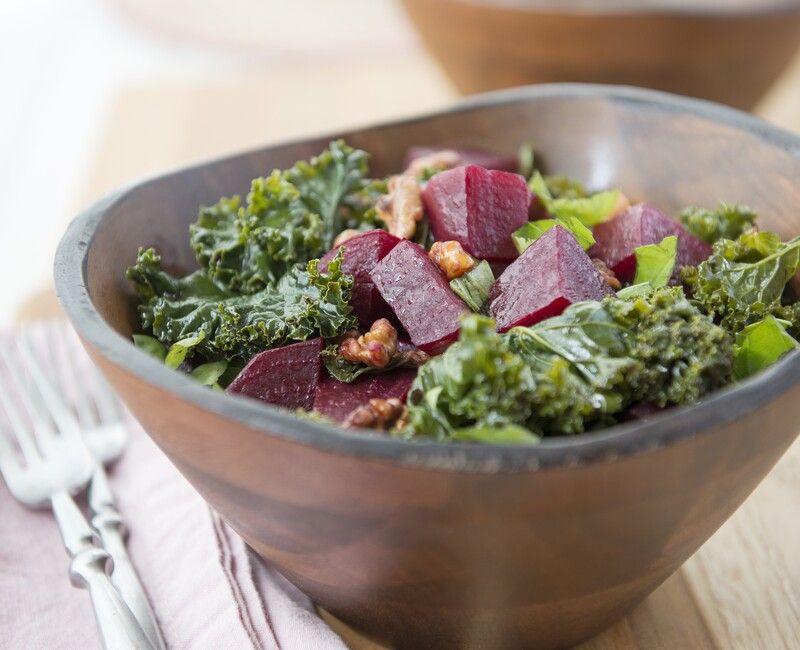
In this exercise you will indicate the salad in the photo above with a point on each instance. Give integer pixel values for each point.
(469, 297)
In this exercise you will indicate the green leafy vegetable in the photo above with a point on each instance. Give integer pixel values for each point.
(760, 345)
(180, 349)
(524, 236)
(335, 185)
(635, 290)
(744, 280)
(209, 374)
(151, 345)
(507, 434)
(654, 262)
(245, 249)
(304, 303)
(589, 210)
(726, 222)
(478, 381)
(473, 287)
(564, 187)
(526, 157)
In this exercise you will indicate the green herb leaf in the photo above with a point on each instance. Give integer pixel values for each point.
(635, 290)
(524, 236)
(473, 287)
(654, 262)
(744, 280)
(571, 202)
(210, 373)
(761, 344)
(178, 350)
(151, 345)
(726, 222)
(507, 434)
(527, 160)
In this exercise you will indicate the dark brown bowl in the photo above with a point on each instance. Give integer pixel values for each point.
(428, 544)
(728, 52)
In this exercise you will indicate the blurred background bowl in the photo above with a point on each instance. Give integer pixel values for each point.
(729, 51)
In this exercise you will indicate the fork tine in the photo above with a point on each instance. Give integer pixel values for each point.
(61, 346)
(62, 416)
(18, 426)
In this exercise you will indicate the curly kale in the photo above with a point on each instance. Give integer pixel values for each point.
(246, 248)
(745, 280)
(728, 221)
(303, 304)
(683, 354)
(570, 373)
(478, 382)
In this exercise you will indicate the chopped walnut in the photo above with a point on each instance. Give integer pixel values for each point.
(451, 258)
(343, 236)
(375, 348)
(401, 208)
(607, 273)
(438, 160)
(380, 414)
(621, 205)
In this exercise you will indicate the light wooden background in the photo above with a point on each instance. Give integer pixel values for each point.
(740, 590)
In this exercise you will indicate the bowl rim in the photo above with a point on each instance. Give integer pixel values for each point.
(606, 445)
(665, 8)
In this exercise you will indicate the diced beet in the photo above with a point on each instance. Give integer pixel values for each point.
(486, 159)
(479, 208)
(548, 277)
(286, 376)
(361, 254)
(337, 400)
(419, 296)
(640, 225)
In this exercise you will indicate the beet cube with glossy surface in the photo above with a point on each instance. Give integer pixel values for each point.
(550, 275)
(285, 376)
(642, 224)
(336, 399)
(419, 296)
(361, 254)
(479, 208)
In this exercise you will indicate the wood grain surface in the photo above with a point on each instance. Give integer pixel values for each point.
(740, 590)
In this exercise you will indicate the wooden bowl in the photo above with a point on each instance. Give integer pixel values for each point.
(729, 52)
(427, 544)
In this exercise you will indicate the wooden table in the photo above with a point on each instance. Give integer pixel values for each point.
(742, 588)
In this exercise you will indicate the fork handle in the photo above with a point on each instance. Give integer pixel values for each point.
(108, 523)
(119, 629)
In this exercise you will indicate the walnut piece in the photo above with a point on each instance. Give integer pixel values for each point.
(401, 208)
(343, 236)
(437, 160)
(379, 414)
(451, 258)
(375, 348)
(607, 273)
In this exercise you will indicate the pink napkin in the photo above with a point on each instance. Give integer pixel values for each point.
(208, 589)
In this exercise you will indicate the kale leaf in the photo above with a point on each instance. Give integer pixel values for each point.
(744, 280)
(303, 304)
(728, 221)
(760, 345)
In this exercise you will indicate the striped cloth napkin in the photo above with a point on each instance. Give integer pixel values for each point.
(208, 589)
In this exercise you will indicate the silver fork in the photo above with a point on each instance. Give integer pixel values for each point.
(57, 464)
(99, 420)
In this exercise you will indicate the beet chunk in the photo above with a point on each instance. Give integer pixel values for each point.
(337, 400)
(479, 157)
(285, 376)
(549, 276)
(419, 296)
(361, 254)
(640, 225)
(478, 208)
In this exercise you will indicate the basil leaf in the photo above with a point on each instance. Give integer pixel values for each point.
(538, 186)
(506, 434)
(655, 262)
(180, 349)
(524, 236)
(209, 374)
(473, 287)
(589, 210)
(760, 345)
(151, 345)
